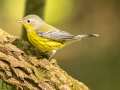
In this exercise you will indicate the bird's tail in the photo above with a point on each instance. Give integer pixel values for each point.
(79, 37)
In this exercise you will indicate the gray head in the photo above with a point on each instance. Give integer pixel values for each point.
(32, 20)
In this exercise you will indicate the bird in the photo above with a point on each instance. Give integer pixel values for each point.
(47, 38)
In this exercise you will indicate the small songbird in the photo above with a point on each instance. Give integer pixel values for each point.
(46, 37)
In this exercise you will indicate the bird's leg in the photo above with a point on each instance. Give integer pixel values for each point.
(52, 54)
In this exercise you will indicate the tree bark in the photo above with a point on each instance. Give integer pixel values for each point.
(35, 7)
(26, 72)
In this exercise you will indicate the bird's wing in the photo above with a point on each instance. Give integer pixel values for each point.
(56, 34)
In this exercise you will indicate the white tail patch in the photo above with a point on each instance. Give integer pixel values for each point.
(79, 37)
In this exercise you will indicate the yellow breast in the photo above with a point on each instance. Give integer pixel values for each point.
(43, 44)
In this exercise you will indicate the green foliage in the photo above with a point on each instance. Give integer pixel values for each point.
(58, 10)
(5, 86)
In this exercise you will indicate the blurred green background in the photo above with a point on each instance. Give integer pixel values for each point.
(94, 61)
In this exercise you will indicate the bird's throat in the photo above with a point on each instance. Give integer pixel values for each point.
(29, 28)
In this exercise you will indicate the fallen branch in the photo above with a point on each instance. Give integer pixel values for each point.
(26, 72)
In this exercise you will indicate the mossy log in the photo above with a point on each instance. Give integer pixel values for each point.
(26, 72)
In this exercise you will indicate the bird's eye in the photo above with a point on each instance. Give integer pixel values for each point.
(28, 21)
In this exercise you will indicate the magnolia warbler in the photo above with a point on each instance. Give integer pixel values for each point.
(46, 37)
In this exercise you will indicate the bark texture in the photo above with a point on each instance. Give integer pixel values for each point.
(26, 72)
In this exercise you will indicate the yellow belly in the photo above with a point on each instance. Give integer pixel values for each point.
(43, 44)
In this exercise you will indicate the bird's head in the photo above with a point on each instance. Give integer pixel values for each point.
(31, 22)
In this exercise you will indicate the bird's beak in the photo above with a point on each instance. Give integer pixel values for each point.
(19, 20)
